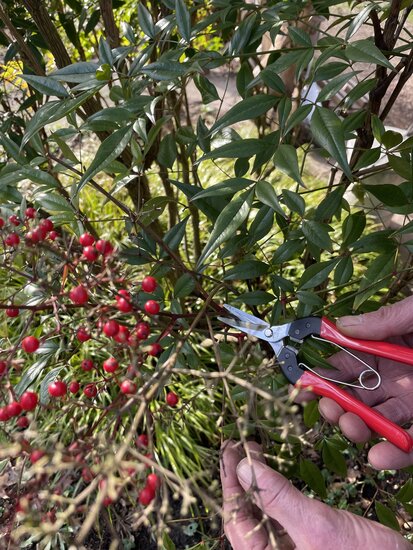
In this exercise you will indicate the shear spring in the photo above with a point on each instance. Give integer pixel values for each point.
(365, 373)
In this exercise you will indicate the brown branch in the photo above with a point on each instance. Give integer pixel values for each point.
(404, 77)
(25, 50)
(111, 30)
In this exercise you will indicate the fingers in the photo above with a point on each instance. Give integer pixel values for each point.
(385, 456)
(392, 320)
(240, 524)
(310, 523)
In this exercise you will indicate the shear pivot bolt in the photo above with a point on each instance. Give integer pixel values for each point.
(268, 332)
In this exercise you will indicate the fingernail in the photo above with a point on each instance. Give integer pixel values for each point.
(349, 321)
(246, 469)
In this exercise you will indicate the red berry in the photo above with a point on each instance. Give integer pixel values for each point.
(146, 496)
(36, 455)
(29, 400)
(154, 349)
(30, 344)
(4, 414)
(83, 335)
(172, 399)
(2, 222)
(87, 364)
(122, 335)
(87, 475)
(111, 328)
(133, 341)
(14, 408)
(90, 253)
(23, 422)
(32, 237)
(90, 390)
(153, 482)
(123, 305)
(3, 367)
(104, 247)
(122, 293)
(30, 213)
(12, 240)
(86, 239)
(110, 365)
(57, 388)
(12, 312)
(14, 220)
(143, 331)
(46, 224)
(79, 295)
(142, 440)
(53, 235)
(152, 307)
(74, 386)
(41, 232)
(149, 284)
(107, 501)
(128, 387)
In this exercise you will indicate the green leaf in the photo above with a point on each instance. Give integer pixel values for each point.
(244, 77)
(183, 20)
(108, 151)
(229, 220)
(145, 21)
(261, 226)
(388, 194)
(184, 285)
(405, 493)
(152, 209)
(206, 89)
(77, 72)
(294, 201)
(316, 274)
(386, 516)
(366, 51)
(285, 159)
(317, 234)
(333, 458)
(311, 414)
(165, 70)
(45, 85)
(52, 111)
(287, 251)
(249, 269)
(31, 374)
(328, 132)
(297, 117)
(329, 206)
(391, 139)
(266, 194)
(54, 203)
(246, 109)
(353, 227)
(242, 34)
(335, 85)
(343, 271)
(255, 298)
(174, 236)
(167, 151)
(376, 277)
(50, 377)
(227, 187)
(311, 474)
(357, 21)
(245, 148)
(368, 158)
(401, 166)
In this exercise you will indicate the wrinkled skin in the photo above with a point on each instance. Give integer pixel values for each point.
(394, 397)
(293, 520)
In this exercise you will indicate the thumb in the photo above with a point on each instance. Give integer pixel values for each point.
(392, 320)
(277, 497)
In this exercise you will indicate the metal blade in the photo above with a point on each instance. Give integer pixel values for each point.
(245, 317)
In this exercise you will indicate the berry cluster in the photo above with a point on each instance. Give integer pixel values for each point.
(109, 335)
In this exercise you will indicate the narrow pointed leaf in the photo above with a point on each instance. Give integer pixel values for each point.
(285, 159)
(266, 194)
(45, 85)
(366, 51)
(183, 20)
(247, 109)
(108, 151)
(229, 220)
(328, 132)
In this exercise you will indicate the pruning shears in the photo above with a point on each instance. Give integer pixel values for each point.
(304, 377)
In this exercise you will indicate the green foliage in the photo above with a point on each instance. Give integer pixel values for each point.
(101, 129)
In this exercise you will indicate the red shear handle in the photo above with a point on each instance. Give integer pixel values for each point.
(374, 420)
(330, 332)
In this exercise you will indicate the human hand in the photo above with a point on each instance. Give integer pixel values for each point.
(394, 397)
(256, 498)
